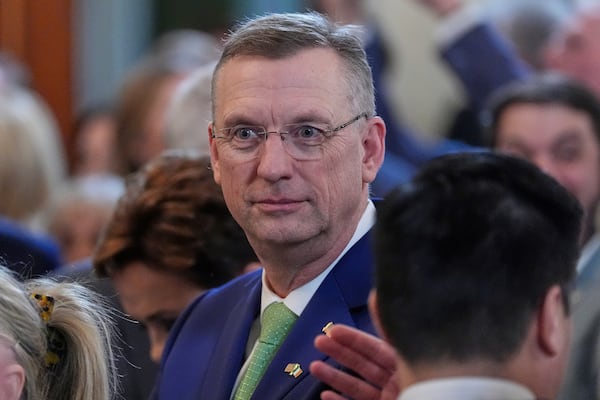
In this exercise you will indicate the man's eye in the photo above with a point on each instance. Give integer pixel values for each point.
(568, 153)
(307, 132)
(245, 133)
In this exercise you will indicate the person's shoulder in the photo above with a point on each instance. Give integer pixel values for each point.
(230, 291)
(222, 297)
(29, 253)
(206, 312)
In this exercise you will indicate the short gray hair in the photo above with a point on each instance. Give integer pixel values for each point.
(278, 36)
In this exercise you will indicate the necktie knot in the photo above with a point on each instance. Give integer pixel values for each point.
(276, 322)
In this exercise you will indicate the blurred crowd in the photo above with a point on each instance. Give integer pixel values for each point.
(531, 73)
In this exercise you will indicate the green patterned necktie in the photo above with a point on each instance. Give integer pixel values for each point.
(276, 322)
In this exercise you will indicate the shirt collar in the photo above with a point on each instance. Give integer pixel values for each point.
(467, 388)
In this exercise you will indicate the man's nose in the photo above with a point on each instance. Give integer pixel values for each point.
(275, 162)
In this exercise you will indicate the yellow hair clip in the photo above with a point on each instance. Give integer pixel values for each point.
(46, 304)
(56, 341)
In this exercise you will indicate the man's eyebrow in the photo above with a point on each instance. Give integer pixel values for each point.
(303, 117)
(310, 116)
(238, 119)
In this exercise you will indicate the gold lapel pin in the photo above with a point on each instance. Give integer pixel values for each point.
(293, 369)
(327, 327)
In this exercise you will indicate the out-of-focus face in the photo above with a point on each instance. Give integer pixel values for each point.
(560, 141)
(152, 141)
(155, 299)
(77, 227)
(278, 199)
(576, 49)
(12, 375)
(96, 146)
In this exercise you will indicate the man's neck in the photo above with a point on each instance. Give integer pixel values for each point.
(426, 372)
(290, 266)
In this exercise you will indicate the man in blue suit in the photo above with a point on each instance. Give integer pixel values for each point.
(295, 143)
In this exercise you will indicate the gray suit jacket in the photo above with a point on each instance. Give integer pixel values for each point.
(582, 376)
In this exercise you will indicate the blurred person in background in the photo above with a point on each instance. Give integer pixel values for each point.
(171, 237)
(575, 49)
(190, 112)
(137, 368)
(554, 122)
(95, 141)
(528, 25)
(32, 168)
(79, 213)
(32, 163)
(478, 55)
(147, 90)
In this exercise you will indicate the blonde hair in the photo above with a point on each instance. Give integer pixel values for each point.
(86, 369)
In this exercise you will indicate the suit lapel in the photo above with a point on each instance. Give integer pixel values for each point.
(343, 291)
(230, 347)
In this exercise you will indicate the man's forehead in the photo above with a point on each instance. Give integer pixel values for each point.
(306, 82)
(312, 58)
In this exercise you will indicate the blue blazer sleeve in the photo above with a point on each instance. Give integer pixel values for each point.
(484, 61)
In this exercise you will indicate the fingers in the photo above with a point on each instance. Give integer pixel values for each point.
(330, 395)
(342, 382)
(367, 355)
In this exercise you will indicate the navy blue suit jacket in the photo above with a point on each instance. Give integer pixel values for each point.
(207, 346)
(28, 253)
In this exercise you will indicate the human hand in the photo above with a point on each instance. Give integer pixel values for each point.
(442, 7)
(370, 357)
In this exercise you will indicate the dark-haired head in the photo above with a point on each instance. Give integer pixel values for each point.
(466, 255)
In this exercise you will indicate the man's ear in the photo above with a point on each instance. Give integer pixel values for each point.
(214, 154)
(374, 311)
(553, 323)
(374, 148)
(12, 378)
